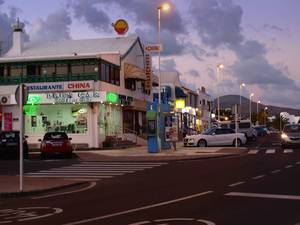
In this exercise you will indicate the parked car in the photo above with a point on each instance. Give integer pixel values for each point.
(244, 126)
(261, 130)
(215, 137)
(290, 135)
(10, 145)
(272, 130)
(56, 143)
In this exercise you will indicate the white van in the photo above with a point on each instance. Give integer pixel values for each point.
(244, 126)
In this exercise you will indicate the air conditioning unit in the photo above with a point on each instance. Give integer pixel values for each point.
(5, 100)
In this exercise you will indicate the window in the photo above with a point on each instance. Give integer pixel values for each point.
(111, 75)
(62, 69)
(77, 69)
(203, 101)
(16, 71)
(93, 68)
(48, 69)
(117, 76)
(1, 71)
(31, 70)
(130, 84)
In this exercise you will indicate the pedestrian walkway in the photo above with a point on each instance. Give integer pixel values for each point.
(93, 171)
(270, 151)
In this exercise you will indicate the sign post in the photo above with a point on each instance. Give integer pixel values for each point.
(236, 124)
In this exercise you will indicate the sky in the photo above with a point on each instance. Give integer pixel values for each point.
(257, 40)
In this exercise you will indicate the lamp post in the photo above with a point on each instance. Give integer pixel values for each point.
(266, 108)
(241, 86)
(219, 67)
(251, 95)
(164, 7)
(280, 126)
(258, 102)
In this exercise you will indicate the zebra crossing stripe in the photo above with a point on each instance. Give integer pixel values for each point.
(252, 152)
(270, 151)
(288, 150)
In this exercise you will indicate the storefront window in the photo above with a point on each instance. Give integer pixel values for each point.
(69, 118)
(110, 120)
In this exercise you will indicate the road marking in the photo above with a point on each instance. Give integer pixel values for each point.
(112, 173)
(92, 184)
(276, 171)
(173, 220)
(298, 162)
(270, 151)
(258, 177)
(288, 166)
(252, 152)
(141, 208)
(68, 176)
(236, 184)
(276, 143)
(257, 195)
(288, 151)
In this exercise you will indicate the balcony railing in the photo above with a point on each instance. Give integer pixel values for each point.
(48, 78)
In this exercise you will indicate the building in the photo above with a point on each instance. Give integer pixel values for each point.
(91, 89)
(204, 106)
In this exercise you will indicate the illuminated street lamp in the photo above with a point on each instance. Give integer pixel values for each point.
(241, 86)
(219, 67)
(163, 7)
(251, 95)
(258, 102)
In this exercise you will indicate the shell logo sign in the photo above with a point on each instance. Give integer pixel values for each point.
(121, 26)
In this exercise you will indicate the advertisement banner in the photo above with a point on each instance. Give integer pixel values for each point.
(8, 120)
(148, 71)
(61, 86)
(171, 128)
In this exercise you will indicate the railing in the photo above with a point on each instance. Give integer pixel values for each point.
(47, 78)
(129, 131)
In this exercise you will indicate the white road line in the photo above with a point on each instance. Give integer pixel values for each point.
(93, 184)
(236, 184)
(270, 151)
(252, 152)
(288, 151)
(141, 208)
(276, 171)
(124, 163)
(257, 195)
(69, 176)
(110, 166)
(298, 162)
(258, 177)
(288, 166)
(92, 170)
(76, 173)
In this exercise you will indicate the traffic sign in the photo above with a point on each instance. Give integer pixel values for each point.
(153, 48)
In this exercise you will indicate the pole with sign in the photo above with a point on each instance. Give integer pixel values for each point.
(21, 135)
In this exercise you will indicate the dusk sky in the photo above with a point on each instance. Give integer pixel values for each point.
(256, 40)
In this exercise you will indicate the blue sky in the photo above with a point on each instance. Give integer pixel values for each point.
(257, 40)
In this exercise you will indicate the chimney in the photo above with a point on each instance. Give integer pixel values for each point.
(17, 45)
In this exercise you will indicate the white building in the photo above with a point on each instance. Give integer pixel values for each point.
(91, 89)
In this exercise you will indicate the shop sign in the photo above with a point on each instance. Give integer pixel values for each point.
(8, 119)
(148, 71)
(121, 26)
(180, 103)
(189, 110)
(68, 97)
(171, 128)
(112, 97)
(78, 85)
(153, 48)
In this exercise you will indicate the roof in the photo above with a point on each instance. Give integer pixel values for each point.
(73, 48)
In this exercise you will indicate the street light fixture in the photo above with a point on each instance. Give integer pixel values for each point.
(241, 86)
(164, 7)
(219, 67)
(258, 102)
(251, 95)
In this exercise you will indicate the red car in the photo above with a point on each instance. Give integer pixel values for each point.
(56, 143)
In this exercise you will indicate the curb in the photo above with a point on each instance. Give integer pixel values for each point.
(40, 191)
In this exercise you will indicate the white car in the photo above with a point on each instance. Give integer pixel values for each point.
(215, 137)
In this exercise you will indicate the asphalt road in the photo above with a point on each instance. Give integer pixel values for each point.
(261, 187)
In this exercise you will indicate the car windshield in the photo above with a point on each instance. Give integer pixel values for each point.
(9, 135)
(292, 129)
(209, 131)
(55, 136)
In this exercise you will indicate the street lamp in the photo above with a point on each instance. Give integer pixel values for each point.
(164, 7)
(251, 95)
(219, 67)
(266, 108)
(241, 86)
(280, 126)
(258, 102)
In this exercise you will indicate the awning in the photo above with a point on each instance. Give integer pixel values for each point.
(179, 93)
(133, 72)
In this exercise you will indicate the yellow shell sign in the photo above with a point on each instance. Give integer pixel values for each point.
(121, 26)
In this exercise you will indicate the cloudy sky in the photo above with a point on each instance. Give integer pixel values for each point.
(256, 40)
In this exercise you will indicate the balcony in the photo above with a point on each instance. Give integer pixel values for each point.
(47, 78)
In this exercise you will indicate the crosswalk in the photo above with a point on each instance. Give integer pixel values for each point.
(270, 151)
(94, 170)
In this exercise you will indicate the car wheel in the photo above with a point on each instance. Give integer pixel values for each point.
(202, 143)
(239, 142)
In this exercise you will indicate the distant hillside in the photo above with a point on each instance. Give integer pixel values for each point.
(228, 101)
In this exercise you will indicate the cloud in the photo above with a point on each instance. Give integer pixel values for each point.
(217, 22)
(56, 27)
(168, 65)
(194, 73)
(273, 27)
(90, 11)
(250, 49)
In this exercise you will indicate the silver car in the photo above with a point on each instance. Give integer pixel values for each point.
(290, 135)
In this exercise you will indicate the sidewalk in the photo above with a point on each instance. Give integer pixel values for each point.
(140, 153)
(10, 185)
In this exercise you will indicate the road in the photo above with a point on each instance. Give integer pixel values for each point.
(261, 187)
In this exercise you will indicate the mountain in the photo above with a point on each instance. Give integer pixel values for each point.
(228, 101)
